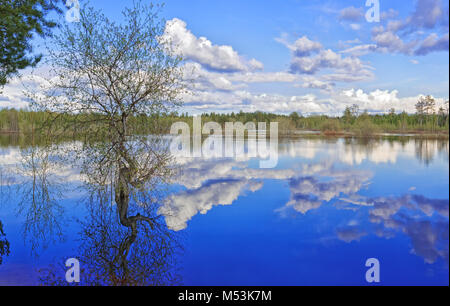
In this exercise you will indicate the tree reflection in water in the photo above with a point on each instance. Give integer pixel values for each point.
(117, 73)
(39, 198)
(110, 253)
(122, 239)
(4, 244)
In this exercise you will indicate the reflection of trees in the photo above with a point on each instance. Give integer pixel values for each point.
(4, 244)
(138, 253)
(39, 203)
(139, 249)
(115, 74)
(443, 149)
(383, 150)
(123, 241)
(425, 150)
(5, 181)
(112, 254)
(359, 149)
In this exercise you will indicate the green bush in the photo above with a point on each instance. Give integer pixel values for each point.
(365, 128)
(331, 125)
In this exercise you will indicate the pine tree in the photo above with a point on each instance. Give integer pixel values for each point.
(19, 20)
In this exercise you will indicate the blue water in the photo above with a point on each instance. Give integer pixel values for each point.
(315, 219)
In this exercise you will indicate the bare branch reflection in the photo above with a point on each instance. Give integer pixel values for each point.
(123, 240)
(40, 195)
(4, 244)
(141, 253)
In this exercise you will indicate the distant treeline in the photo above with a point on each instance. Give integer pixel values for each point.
(352, 122)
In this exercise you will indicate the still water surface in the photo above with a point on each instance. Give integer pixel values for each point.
(314, 220)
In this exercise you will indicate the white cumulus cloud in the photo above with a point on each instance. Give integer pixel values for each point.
(203, 51)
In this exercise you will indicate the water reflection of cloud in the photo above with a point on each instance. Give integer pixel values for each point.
(196, 172)
(350, 234)
(181, 207)
(353, 151)
(310, 192)
(429, 206)
(220, 182)
(13, 170)
(429, 238)
(423, 220)
(9, 157)
(385, 208)
(354, 199)
(213, 182)
(311, 185)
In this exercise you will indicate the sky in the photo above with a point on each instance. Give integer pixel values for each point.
(305, 56)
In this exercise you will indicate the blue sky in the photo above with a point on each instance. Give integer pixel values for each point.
(308, 56)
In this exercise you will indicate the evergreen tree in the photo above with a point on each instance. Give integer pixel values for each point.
(19, 21)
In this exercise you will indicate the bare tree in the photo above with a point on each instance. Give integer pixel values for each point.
(113, 71)
(105, 73)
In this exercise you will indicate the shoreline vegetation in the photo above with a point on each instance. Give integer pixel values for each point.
(352, 124)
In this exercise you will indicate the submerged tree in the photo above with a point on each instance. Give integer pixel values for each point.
(105, 75)
(114, 72)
